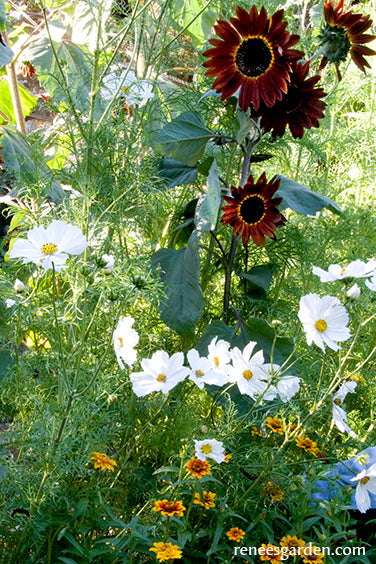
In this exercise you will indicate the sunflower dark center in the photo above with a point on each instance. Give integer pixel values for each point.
(252, 209)
(254, 57)
(335, 43)
(291, 101)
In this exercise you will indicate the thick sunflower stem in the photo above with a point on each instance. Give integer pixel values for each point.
(235, 238)
(228, 274)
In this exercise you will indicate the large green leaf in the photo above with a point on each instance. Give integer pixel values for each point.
(6, 105)
(183, 303)
(184, 138)
(301, 199)
(28, 164)
(6, 54)
(207, 209)
(76, 66)
(175, 173)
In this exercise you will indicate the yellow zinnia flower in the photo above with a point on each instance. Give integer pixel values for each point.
(102, 461)
(275, 424)
(207, 499)
(166, 551)
(306, 444)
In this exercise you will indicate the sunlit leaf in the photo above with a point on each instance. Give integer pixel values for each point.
(184, 138)
(180, 273)
(301, 199)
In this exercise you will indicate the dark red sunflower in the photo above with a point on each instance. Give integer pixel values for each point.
(254, 55)
(252, 211)
(344, 33)
(300, 108)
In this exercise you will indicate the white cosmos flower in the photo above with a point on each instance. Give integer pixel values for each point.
(202, 372)
(125, 339)
(366, 483)
(371, 284)
(10, 303)
(110, 262)
(286, 387)
(339, 414)
(324, 320)
(210, 448)
(354, 292)
(51, 245)
(160, 373)
(219, 355)
(136, 91)
(248, 371)
(355, 269)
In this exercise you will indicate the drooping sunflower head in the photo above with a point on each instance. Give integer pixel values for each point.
(253, 55)
(300, 108)
(252, 211)
(343, 33)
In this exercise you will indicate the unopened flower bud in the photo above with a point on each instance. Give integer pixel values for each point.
(19, 286)
(108, 263)
(204, 430)
(354, 292)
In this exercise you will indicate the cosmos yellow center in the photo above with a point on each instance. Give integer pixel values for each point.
(364, 480)
(321, 325)
(216, 360)
(247, 374)
(337, 401)
(161, 378)
(199, 373)
(252, 209)
(49, 249)
(254, 57)
(343, 271)
(121, 342)
(206, 449)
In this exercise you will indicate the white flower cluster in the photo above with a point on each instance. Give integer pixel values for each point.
(355, 269)
(222, 365)
(325, 322)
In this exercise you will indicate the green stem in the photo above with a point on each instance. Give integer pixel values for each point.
(51, 455)
(191, 504)
(59, 339)
(64, 85)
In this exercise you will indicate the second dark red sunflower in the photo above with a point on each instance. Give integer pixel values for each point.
(252, 211)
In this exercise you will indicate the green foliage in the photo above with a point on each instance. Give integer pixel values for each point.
(180, 273)
(184, 138)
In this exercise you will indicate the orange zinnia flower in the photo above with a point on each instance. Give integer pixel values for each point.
(235, 534)
(198, 468)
